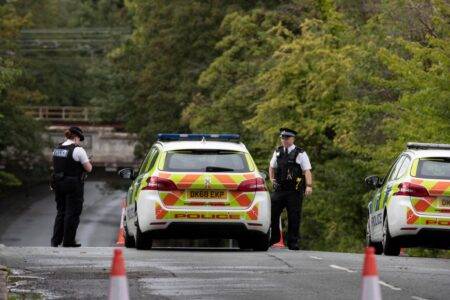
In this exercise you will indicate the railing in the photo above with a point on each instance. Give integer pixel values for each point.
(61, 113)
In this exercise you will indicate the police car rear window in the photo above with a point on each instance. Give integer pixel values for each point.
(206, 161)
(436, 168)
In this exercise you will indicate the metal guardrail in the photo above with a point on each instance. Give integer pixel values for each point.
(61, 113)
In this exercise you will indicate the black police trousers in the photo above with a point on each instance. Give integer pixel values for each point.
(69, 204)
(292, 201)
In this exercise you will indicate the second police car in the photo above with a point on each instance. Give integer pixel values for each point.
(411, 206)
(197, 186)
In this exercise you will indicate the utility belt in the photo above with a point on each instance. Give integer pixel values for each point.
(290, 185)
(60, 176)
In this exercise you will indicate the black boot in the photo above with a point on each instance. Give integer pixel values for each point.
(71, 245)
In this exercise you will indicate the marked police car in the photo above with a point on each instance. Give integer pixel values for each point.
(410, 207)
(197, 186)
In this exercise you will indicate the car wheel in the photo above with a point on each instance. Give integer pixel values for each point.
(129, 240)
(390, 246)
(244, 243)
(143, 240)
(261, 243)
(377, 246)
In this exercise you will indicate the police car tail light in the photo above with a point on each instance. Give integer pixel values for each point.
(252, 185)
(160, 184)
(411, 189)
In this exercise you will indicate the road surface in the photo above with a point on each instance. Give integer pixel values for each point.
(185, 273)
(221, 274)
(32, 225)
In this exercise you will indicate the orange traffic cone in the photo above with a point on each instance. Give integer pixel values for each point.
(280, 243)
(118, 284)
(121, 233)
(370, 289)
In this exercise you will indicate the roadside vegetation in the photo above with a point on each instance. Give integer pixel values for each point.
(357, 79)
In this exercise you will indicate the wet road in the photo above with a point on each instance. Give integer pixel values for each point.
(221, 274)
(33, 224)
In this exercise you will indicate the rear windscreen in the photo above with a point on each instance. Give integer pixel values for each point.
(438, 168)
(206, 161)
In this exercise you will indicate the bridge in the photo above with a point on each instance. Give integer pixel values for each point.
(109, 145)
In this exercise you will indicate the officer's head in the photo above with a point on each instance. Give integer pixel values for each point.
(287, 137)
(75, 134)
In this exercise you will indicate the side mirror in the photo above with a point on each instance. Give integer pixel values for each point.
(264, 174)
(127, 173)
(373, 182)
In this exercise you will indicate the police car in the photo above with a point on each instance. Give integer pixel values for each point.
(197, 186)
(410, 207)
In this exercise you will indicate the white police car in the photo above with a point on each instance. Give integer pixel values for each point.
(197, 186)
(411, 206)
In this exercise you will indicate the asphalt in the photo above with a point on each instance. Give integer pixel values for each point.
(220, 274)
(187, 273)
(32, 224)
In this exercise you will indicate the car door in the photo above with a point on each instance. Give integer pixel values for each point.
(143, 169)
(397, 178)
(379, 198)
(133, 192)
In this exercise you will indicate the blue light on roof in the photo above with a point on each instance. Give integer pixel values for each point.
(197, 137)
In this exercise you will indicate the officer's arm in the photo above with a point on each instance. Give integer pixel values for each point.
(272, 165)
(308, 177)
(271, 174)
(83, 159)
(87, 166)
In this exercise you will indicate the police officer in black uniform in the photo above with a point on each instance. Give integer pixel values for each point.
(70, 162)
(290, 173)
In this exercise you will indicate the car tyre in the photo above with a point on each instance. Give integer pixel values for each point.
(143, 240)
(261, 243)
(377, 246)
(129, 240)
(390, 245)
(245, 243)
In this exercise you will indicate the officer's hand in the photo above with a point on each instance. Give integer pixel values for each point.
(274, 183)
(308, 191)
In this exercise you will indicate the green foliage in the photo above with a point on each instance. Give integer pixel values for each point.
(357, 79)
(19, 136)
(170, 46)
(353, 77)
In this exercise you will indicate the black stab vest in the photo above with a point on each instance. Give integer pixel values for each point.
(288, 173)
(64, 164)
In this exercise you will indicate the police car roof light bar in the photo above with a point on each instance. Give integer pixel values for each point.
(424, 146)
(197, 137)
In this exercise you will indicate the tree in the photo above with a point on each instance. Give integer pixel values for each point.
(19, 140)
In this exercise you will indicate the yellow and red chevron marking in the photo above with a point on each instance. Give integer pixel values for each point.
(437, 189)
(186, 181)
(162, 213)
(210, 180)
(412, 218)
(434, 187)
(253, 213)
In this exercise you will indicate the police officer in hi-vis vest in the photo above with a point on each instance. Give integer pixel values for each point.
(70, 162)
(290, 174)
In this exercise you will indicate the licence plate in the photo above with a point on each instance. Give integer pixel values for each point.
(207, 194)
(444, 202)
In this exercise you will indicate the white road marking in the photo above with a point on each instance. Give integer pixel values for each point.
(418, 298)
(316, 257)
(342, 268)
(389, 286)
